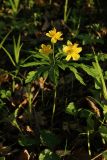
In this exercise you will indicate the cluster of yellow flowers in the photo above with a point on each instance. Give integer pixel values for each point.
(70, 50)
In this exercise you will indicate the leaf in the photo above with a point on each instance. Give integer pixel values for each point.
(48, 155)
(77, 75)
(5, 94)
(49, 139)
(30, 64)
(105, 155)
(97, 84)
(9, 55)
(4, 39)
(84, 113)
(40, 55)
(94, 105)
(54, 74)
(105, 109)
(2, 158)
(26, 140)
(71, 108)
(102, 56)
(90, 123)
(17, 49)
(12, 119)
(89, 39)
(61, 65)
(103, 132)
(89, 70)
(31, 76)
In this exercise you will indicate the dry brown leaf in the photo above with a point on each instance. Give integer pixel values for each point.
(93, 106)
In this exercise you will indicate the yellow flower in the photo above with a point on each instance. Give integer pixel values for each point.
(54, 35)
(45, 49)
(72, 51)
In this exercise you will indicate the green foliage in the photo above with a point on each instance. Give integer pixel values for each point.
(4, 39)
(71, 108)
(2, 104)
(105, 154)
(17, 49)
(15, 6)
(26, 140)
(21, 94)
(96, 72)
(77, 75)
(103, 132)
(5, 94)
(49, 139)
(31, 76)
(90, 39)
(48, 155)
(2, 158)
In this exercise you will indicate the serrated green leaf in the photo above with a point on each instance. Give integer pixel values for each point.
(61, 65)
(30, 77)
(38, 63)
(77, 75)
(89, 70)
(40, 55)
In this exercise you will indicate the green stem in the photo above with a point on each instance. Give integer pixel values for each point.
(50, 2)
(65, 150)
(14, 77)
(54, 107)
(65, 10)
(30, 99)
(42, 98)
(53, 54)
(88, 137)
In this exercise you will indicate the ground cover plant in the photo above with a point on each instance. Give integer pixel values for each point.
(53, 92)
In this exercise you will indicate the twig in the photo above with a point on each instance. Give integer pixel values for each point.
(99, 155)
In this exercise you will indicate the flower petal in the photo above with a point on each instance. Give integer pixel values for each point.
(48, 35)
(78, 50)
(68, 57)
(75, 56)
(53, 40)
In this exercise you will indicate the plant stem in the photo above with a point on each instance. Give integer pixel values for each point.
(30, 99)
(53, 53)
(99, 155)
(65, 150)
(65, 10)
(42, 98)
(88, 136)
(50, 2)
(54, 107)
